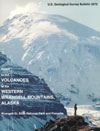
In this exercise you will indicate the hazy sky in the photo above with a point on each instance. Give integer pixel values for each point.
(87, 15)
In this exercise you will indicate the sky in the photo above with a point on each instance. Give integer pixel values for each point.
(86, 15)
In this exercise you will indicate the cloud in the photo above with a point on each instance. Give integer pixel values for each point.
(34, 25)
(31, 7)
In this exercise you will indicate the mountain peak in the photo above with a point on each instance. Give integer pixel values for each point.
(60, 50)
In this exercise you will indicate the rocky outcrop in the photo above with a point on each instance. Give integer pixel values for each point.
(68, 123)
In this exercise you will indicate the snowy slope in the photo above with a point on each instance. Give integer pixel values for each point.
(15, 124)
(63, 52)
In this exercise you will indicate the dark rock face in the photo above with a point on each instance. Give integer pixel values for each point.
(68, 123)
(36, 96)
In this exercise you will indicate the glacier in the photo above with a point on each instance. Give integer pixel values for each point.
(63, 52)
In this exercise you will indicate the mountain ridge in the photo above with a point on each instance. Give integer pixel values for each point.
(25, 98)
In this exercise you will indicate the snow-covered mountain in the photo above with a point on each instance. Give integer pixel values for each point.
(63, 52)
(26, 98)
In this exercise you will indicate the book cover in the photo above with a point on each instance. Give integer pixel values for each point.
(49, 65)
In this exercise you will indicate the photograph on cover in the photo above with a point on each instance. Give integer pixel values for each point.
(49, 65)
